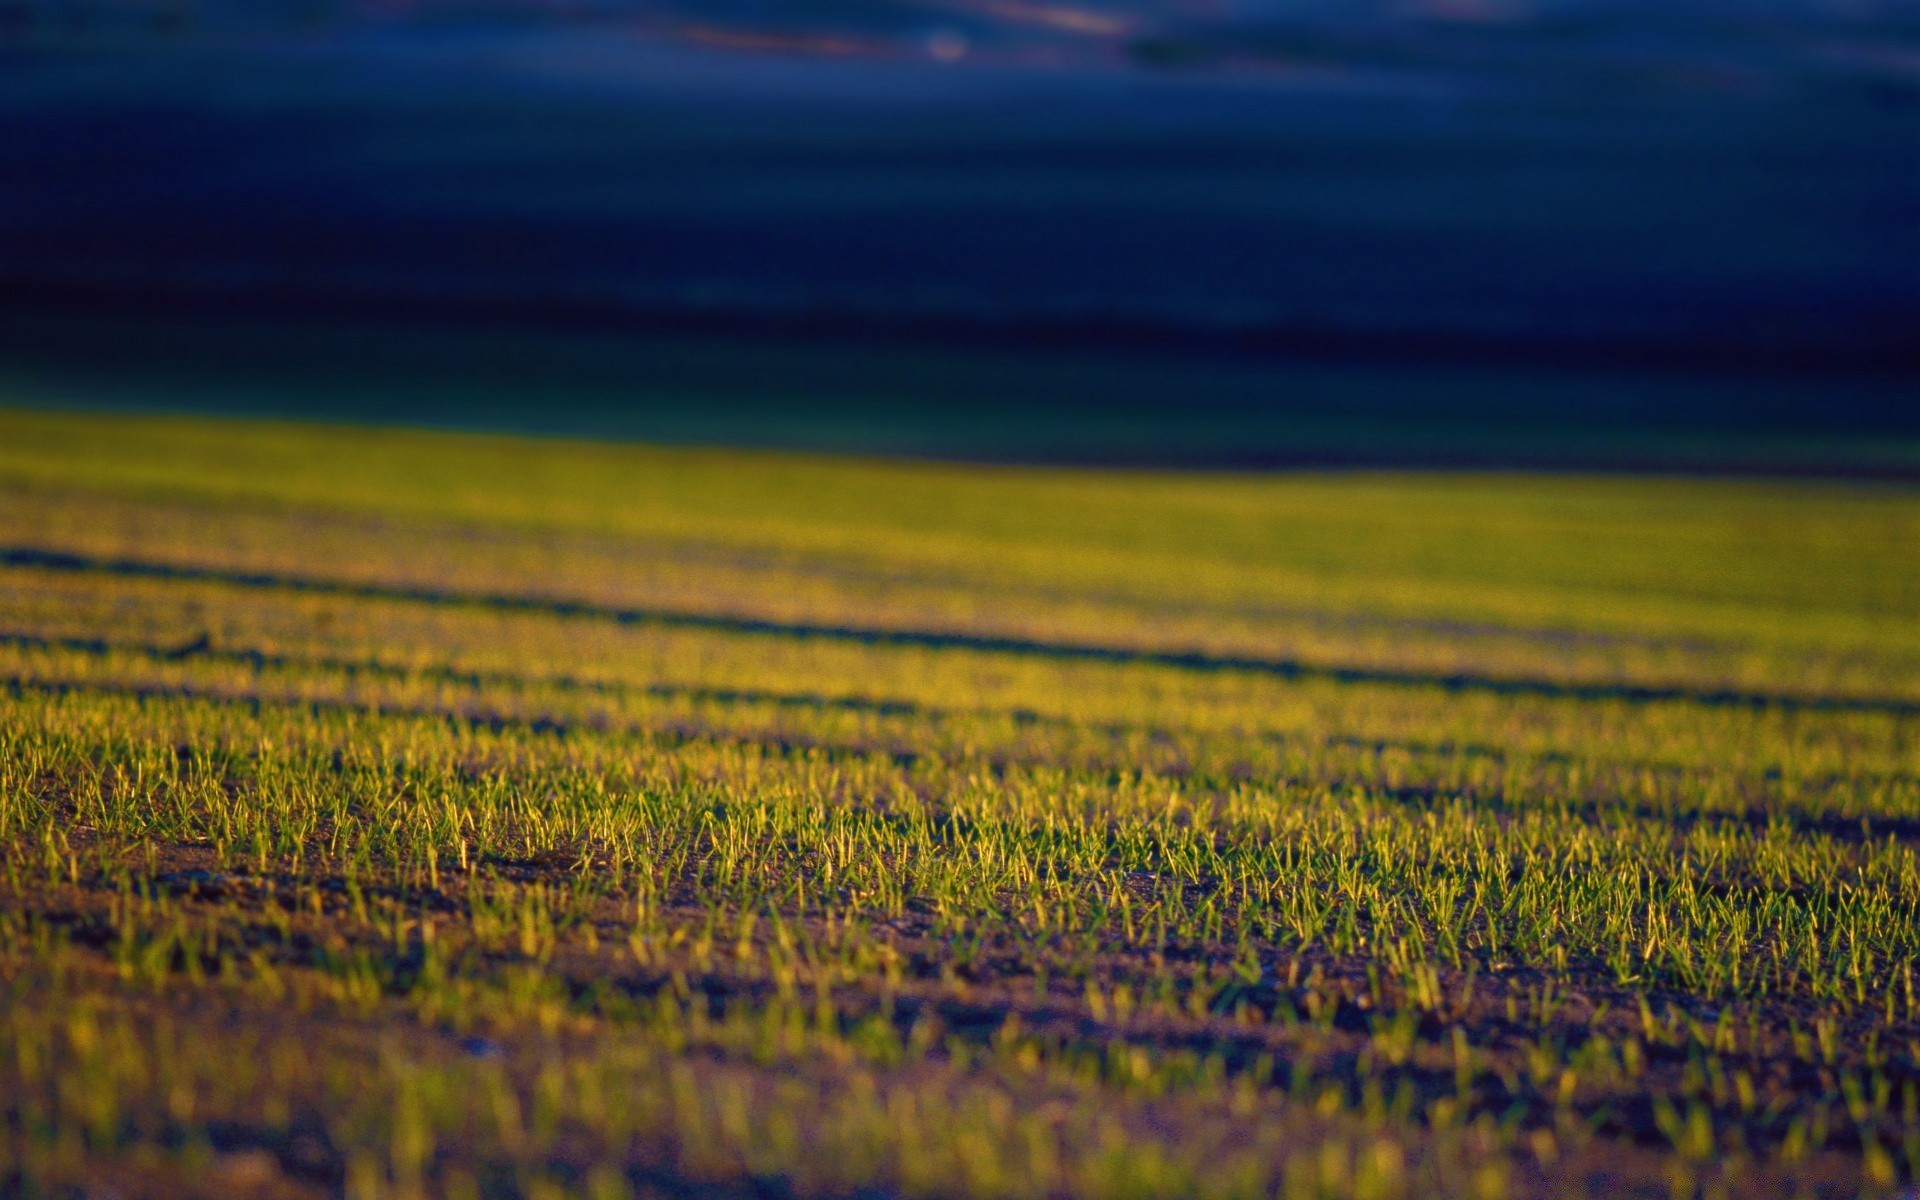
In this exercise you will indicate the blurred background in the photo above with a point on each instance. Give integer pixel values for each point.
(1593, 233)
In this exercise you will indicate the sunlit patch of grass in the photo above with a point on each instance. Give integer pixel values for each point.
(431, 839)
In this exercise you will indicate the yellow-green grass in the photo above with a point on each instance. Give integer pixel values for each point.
(387, 812)
(1806, 586)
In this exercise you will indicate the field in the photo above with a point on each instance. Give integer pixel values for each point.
(390, 813)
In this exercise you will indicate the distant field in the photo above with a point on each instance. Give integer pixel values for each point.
(387, 813)
(1135, 406)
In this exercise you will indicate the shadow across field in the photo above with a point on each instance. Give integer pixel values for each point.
(55, 560)
(1759, 817)
(202, 647)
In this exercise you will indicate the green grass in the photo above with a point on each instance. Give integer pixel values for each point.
(403, 813)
